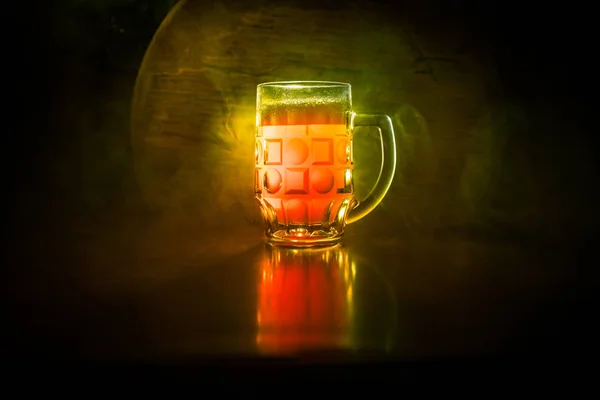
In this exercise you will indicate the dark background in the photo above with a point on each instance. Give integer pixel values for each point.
(74, 66)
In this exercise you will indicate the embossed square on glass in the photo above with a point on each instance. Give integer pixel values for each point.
(296, 181)
(273, 151)
(322, 151)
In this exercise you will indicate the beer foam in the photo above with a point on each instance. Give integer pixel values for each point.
(295, 103)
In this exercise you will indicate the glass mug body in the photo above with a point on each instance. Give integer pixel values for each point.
(304, 162)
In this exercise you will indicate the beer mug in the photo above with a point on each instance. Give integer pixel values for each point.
(304, 161)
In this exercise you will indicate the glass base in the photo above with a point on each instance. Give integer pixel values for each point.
(302, 238)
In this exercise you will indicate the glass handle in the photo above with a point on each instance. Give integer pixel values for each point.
(388, 162)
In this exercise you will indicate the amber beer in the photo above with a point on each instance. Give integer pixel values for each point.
(304, 161)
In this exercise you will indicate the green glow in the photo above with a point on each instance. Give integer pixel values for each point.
(194, 111)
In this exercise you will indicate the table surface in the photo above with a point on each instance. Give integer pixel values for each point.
(144, 292)
(408, 284)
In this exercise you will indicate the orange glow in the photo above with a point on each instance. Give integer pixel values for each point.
(306, 167)
(305, 301)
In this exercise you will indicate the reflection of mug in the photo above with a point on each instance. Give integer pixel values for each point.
(304, 161)
(305, 300)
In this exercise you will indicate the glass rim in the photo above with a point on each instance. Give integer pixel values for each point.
(304, 84)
